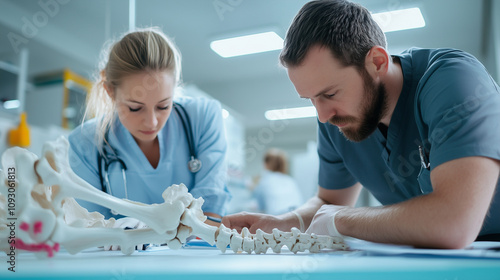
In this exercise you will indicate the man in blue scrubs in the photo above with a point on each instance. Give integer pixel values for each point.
(420, 130)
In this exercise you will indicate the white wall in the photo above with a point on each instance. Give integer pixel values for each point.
(283, 134)
(495, 30)
(304, 169)
(44, 105)
(491, 42)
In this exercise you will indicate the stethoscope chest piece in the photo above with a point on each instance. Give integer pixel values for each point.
(194, 165)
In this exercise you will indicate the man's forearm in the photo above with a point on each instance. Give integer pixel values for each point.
(449, 217)
(421, 222)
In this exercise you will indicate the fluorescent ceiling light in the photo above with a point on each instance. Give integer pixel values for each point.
(399, 20)
(291, 113)
(11, 104)
(255, 43)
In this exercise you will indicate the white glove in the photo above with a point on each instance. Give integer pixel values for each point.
(126, 223)
(323, 222)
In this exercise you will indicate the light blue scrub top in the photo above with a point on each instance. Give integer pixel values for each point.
(449, 104)
(145, 183)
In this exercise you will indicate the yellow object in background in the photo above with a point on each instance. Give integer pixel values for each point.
(20, 136)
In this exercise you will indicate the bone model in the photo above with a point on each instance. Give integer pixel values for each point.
(38, 212)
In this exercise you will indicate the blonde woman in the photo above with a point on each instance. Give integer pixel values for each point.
(142, 138)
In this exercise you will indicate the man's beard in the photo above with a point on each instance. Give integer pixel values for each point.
(374, 108)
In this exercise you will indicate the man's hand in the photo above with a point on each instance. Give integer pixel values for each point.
(254, 221)
(323, 222)
(285, 222)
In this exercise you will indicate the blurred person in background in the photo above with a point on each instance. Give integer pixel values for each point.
(276, 191)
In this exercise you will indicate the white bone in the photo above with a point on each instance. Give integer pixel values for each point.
(54, 169)
(236, 241)
(99, 232)
(183, 232)
(77, 216)
(248, 243)
(261, 241)
(223, 238)
(25, 209)
(45, 189)
(4, 229)
(192, 217)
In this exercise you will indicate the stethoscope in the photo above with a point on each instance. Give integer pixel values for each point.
(107, 158)
(194, 164)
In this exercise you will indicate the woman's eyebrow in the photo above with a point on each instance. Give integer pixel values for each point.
(134, 101)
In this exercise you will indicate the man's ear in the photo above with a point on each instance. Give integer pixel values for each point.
(377, 61)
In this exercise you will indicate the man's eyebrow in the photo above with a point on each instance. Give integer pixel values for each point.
(327, 89)
(134, 101)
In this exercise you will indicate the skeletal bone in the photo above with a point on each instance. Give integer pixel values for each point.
(261, 241)
(48, 215)
(40, 208)
(191, 218)
(54, 169)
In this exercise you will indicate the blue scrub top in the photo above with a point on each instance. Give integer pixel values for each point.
(146, 184)
(449, 105)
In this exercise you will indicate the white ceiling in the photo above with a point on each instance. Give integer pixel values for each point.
(73, 36)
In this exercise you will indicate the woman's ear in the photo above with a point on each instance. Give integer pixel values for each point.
(377, 61)
(109, 90)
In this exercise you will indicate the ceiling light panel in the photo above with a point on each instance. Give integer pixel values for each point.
(399, 20)
(249, 44)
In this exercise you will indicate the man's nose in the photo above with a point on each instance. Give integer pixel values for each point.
(325, 112)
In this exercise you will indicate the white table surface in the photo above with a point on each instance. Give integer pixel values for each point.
(210, 263)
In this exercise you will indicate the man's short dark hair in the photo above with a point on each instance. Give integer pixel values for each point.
(346, 28)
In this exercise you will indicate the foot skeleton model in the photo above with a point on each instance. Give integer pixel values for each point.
(38, 213)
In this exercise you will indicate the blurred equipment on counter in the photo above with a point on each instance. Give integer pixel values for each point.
(20, 136)
(67, 93)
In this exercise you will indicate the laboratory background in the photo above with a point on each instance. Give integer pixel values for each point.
(50, 52)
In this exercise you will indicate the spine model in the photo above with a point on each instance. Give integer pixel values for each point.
(261, 241)
(38, 212)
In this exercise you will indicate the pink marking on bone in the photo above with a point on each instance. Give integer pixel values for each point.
(19, 244)
(37, 228)
(24, 226)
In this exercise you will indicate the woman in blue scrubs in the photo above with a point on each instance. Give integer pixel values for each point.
(137, 144)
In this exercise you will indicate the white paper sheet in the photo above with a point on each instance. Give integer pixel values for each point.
(479, 249)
